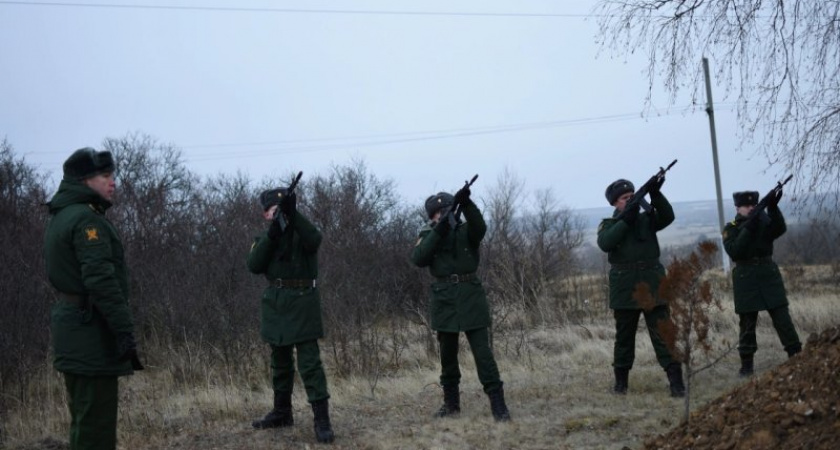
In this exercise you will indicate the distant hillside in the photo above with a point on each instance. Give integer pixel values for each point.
(703, 212)
(695, 221)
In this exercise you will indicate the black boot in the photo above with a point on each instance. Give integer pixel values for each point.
(793, 349)
(746, 366)
(280, 416)
(451, 401)
(675, 379)
(323, 429)
(498, 406)
(621, 375)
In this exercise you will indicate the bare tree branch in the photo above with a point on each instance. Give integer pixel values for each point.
(781, 60)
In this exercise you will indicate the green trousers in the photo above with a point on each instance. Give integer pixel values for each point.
(309, 365)
(782, 322)
(93, 411)
(485, 363)
(626, 324)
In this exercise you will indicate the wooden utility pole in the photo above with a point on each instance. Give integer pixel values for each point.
(710, 110)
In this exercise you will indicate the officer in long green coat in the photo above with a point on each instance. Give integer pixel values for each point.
(756, 279)
(458, 301)
(629, 238)
(287, 255)
(91, 323)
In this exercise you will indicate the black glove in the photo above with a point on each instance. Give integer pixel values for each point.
(275, 229)
(773, 198)
(442, 227)
(463, 195)
(752, 223)
(127, 350)
(631, 212)
(656, 184)
(288, 204)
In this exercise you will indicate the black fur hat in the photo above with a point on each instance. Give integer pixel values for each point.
(745, 198)
(437, 202)
(618, 188)
(87, 162)
(271, 197)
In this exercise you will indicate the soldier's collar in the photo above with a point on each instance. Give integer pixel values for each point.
(97, 208)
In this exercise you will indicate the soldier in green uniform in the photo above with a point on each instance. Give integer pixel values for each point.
(629, 238)
(459, 303)
(287, 255)
(91, 324)
(756, 279)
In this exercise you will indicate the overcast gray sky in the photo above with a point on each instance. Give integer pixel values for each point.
(427, 93)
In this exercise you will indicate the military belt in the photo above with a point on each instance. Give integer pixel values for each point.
(754, 261)
(78, 300)
(294, 284)
(638, 265)
(458, 278)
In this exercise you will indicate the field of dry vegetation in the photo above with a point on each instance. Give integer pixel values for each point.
(558, 382)
(196, 315)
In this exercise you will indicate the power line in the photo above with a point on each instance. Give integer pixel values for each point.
(419, 134)
(337, 11)
(438, 136)
(374, 140)
(411, 136)
(297, 11)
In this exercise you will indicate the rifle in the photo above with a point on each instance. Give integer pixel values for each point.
(278, 216)
(638, 198)
(456, 207)
(762, 204)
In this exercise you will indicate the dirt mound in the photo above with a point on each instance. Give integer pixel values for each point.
(795, 405)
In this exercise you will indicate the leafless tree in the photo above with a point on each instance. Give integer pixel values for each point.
(186, 244)
(816, 241)
(529, 250)
(25, 295)
(780, 59)
(366, 277)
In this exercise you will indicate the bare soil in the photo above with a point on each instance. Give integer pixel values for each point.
(796, 405)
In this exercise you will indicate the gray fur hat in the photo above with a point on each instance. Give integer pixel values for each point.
(745, 198)
(618, 188)
(87, 162)
(437, 202)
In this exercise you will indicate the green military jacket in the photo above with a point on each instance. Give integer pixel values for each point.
(633, 252)
(756, 279)
(289, 314)
(85, 258)
(460, 306)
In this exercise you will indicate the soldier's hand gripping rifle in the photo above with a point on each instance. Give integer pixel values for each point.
(455, 210)
(278, 215)
(638, 198)
(772, 197)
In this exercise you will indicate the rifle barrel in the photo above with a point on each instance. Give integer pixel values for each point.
(295, 182)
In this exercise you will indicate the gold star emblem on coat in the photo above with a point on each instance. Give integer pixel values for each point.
(91, 234)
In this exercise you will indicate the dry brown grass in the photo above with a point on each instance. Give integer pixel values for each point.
(557, 387)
